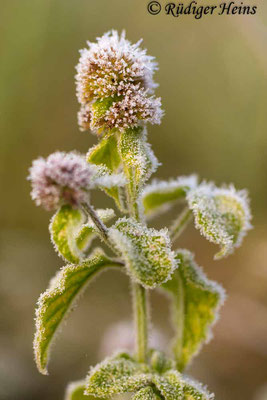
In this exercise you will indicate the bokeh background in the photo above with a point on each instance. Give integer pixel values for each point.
(214, 89)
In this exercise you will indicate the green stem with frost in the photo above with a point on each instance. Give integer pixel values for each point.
(179, 321)
(180, 223)
(140, 297)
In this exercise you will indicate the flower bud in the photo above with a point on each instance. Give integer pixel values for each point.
(62, 178)
(115, 85)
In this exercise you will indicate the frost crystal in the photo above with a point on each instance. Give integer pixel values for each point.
(119, 75)
(221, 214)
(62, 178)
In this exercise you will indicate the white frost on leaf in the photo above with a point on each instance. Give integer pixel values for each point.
(146, 251)
(221, 214)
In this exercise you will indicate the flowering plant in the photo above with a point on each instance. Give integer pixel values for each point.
(115, 88)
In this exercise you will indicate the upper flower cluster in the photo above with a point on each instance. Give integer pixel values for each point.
(115, 85)
(61, 178)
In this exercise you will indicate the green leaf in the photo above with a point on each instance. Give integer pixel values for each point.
(116, 375)
(221, 214)
(105, 153)
(170, 385)
(54, 304)
(146, 393)
(64, 226)
(196, 301)
(146, 251)
(75, 391)
(195, 391)
(159, 362)
(138, 159)
(160, 195)
(88, 232)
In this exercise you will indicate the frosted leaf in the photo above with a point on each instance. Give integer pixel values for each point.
(159, 362)
(170, 385)
(64, 226)
(160, 195)
(196, 302)
(115, 375)
(107, 160)
(146, 252)
(221, 214)
(138, 159)
(88, 232)
(105, 153)
(75, 391)
(146, 394)
(195, 391)
(54, 304)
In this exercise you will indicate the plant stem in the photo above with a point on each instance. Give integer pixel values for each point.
(101, 227)
(180, 223)
(179, 321)
(141, 321)
(140, 298)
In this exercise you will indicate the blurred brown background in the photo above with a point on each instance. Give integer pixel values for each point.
(214, 90)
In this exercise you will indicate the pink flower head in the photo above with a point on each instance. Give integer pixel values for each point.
(62, 178)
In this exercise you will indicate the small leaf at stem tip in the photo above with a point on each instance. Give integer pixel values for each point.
(170, 385)
(146, 251)
(195, 302)
(75, 391)
(88, 232)
(138, 159)
(146, 393)
(160, 196)
(54, 304)
(159, 362)
(221, 214)
(116, 375)
(64, 226)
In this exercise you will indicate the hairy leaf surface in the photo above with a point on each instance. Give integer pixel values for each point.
(57, 301)
(221, 214)
(146, 251)
(64, 226)
(138, 160)
(170, 385)
(160, 195)
(196, 301)
(195, 391)
(116, 375)
(75, 391)
(146, 393)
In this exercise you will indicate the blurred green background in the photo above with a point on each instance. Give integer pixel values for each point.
(213, 85)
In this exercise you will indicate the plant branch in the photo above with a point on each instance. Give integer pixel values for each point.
(141, 321)
(180, 223)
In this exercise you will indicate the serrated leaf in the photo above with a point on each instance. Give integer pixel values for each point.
(146, 251)
(87, 231)
(196, 301)
(64, 226)
(170, 385)
(116, 375)
(160, 195)
(195, 391)
(146, 393)
(54, 304)
(75, 391)
(221, 214)
(138, 159)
